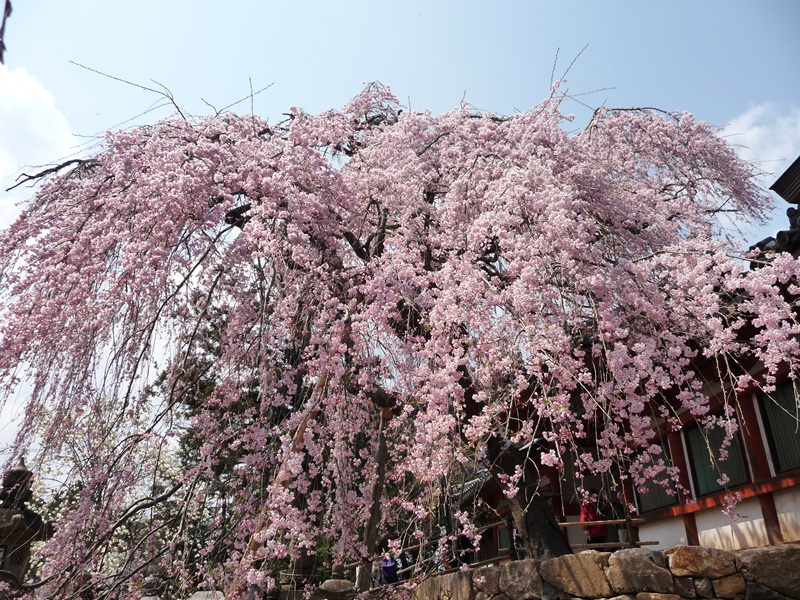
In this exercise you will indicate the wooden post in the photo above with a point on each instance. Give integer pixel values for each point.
(771, 522)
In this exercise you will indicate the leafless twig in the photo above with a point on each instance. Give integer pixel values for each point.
(162, 92)
(25, 177)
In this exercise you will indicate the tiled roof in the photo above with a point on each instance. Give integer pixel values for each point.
(788, 185)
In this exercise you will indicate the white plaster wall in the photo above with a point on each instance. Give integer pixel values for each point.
(717, 530)
(668, 533)
(787, 504)
(575, 535)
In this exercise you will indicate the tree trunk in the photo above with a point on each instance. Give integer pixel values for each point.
(542, 537)
(371, 530)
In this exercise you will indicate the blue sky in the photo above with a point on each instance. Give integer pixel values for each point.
(729, 62)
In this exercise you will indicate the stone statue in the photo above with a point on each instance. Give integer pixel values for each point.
(16, 488)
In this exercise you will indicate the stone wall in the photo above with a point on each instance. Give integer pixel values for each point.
(771, 573)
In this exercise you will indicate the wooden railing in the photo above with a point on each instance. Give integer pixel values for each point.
(505, 554)
(435, 541)
(631, 529)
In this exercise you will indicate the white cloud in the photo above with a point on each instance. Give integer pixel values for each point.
(768, 135)
(33, 132)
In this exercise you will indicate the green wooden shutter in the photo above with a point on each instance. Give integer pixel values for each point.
(704, 446)
(782, 423)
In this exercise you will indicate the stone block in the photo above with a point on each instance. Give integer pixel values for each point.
(656, 596)
(428, 589)
(456, 586)
(756, 591)
(775, 567)
(693, 561)
(550, 592)
(730, 586)
(637, 570)
(487, 580)
(520, 580)
(581, 574)
(704, 587)
(485, 596)
(684, 587)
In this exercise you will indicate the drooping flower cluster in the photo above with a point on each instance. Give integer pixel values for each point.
(333, 313)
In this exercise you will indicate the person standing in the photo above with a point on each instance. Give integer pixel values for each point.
(595, 533)
(389, 571)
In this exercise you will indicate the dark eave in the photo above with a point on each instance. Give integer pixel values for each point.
(788, 185)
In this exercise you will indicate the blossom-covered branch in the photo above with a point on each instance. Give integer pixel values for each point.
(412, 292)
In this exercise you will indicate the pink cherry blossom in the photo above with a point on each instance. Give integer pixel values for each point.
(345, 315)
